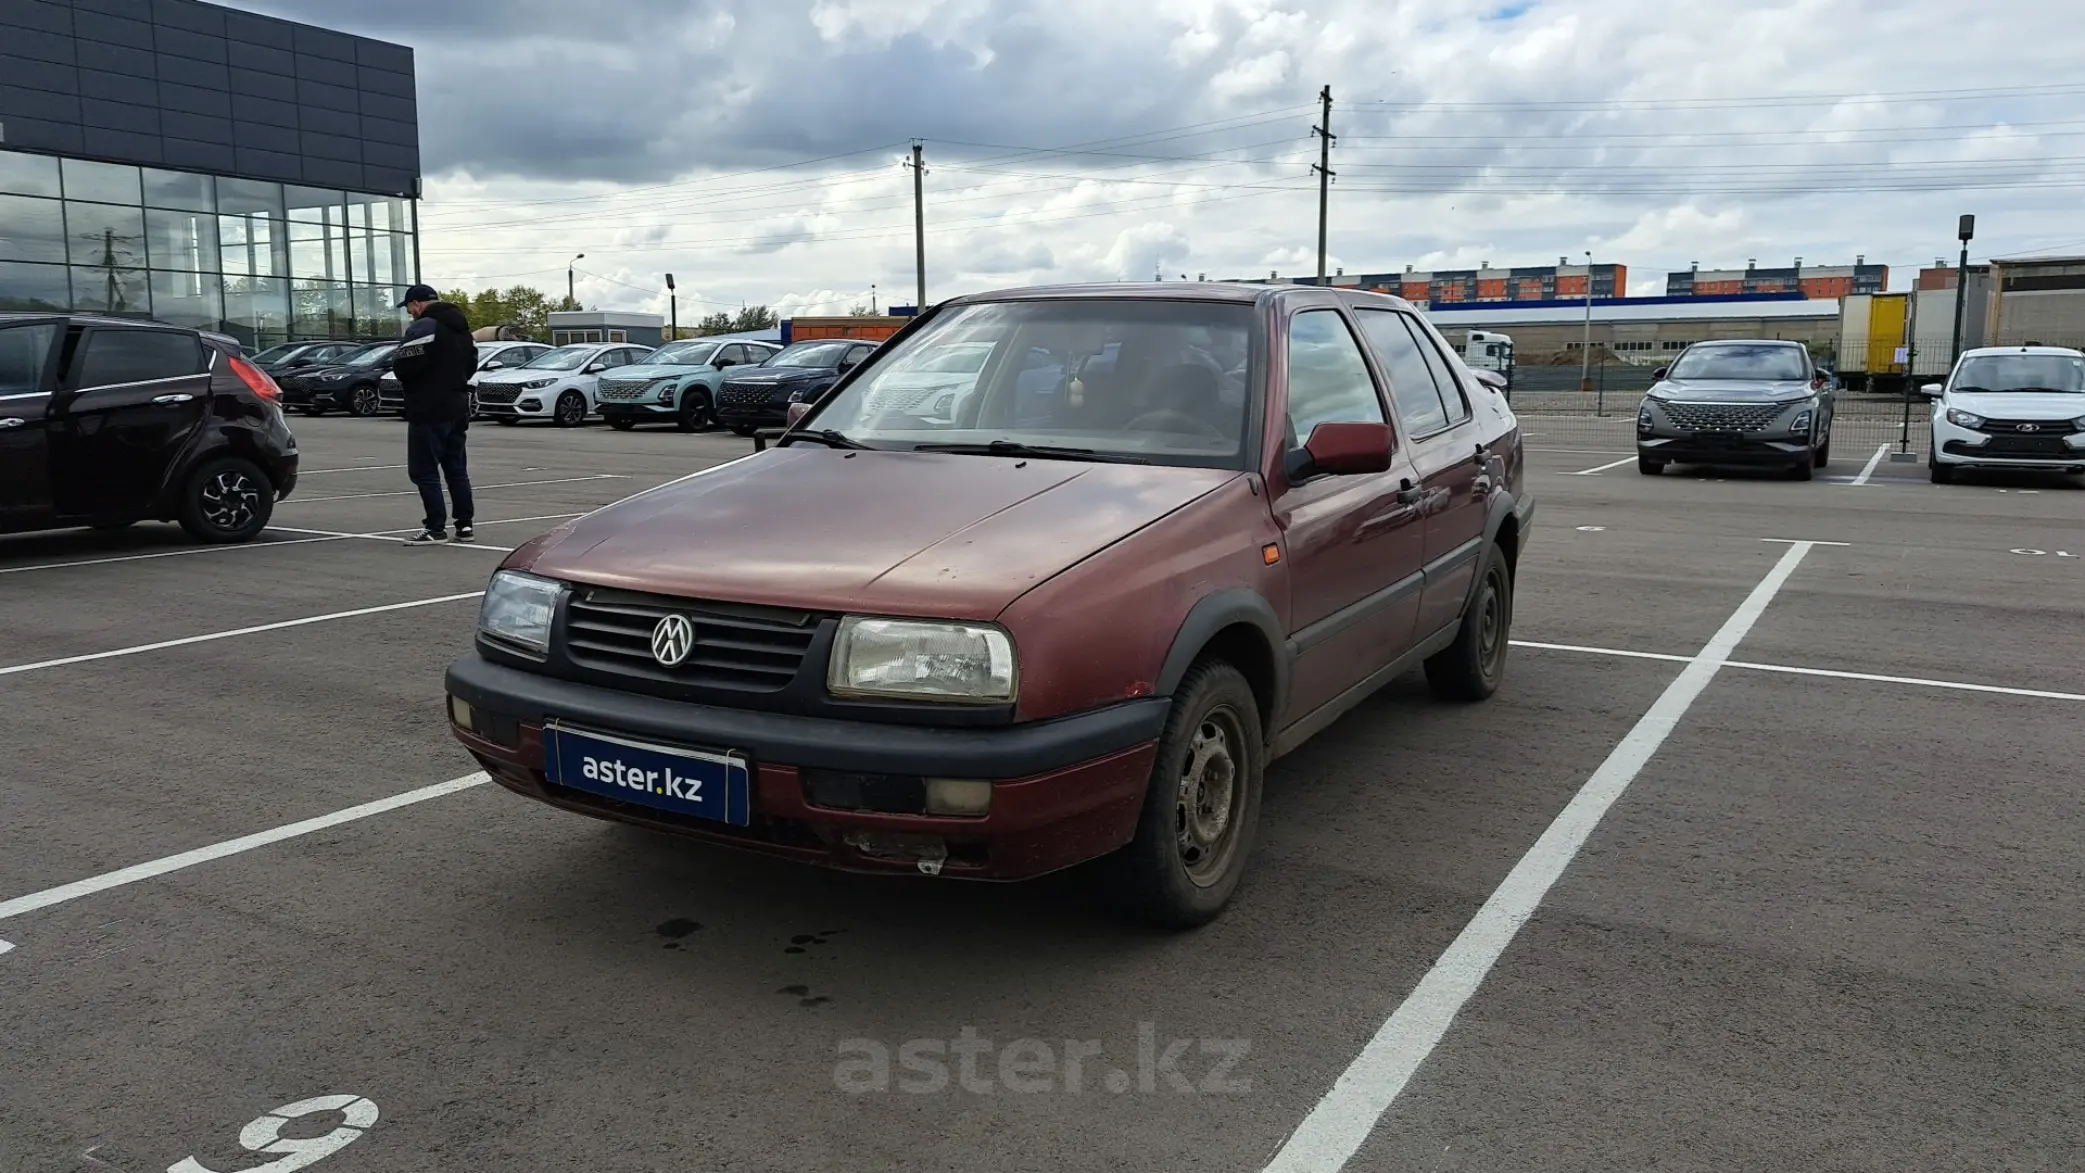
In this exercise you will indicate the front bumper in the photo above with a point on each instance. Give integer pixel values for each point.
(1722, 449)
(530, 405)
(1064, 791)
(634, 410)
(762, 415)
(304, 395)
(1965, 448)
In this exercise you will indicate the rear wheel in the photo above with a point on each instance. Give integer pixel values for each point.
(1649, 467)
(570, 411)
(226, 500)
(363, 402)
(1202, 806)
(695, 413)
(1471, 668)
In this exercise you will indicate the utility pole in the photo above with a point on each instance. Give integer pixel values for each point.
(919, 220)
(1965, 230)
(1324, 169)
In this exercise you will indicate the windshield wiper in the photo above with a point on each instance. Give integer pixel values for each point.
(825, 436)
(1038, 451)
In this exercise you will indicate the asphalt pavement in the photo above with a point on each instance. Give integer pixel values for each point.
(1765, 858)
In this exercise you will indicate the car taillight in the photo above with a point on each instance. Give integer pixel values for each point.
(257, 380)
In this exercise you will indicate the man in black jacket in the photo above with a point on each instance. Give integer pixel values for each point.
(434, 364)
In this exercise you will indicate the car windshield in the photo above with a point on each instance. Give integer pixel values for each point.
(2056, 373)
(681, 354)
(1780, 364)
(1163, 382)
(810, 354)
(570, 358)
(371, 356)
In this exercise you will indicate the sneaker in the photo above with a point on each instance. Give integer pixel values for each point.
(428, 537)
(465, 533)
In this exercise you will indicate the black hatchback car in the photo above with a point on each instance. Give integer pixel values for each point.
(105, 422)
(752, 398)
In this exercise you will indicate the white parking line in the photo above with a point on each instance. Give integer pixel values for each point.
(1341, 1122)
(391, 536)
(188, 859)
(1868, 469)
(319, 472)
(1828, 673)
(17, 669)
(599, 476)
(1588, 472)
(166, 554)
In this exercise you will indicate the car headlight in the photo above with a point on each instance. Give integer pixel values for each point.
(1644, 418)
(537, 384)
(1801, 422)
(666, 392)
(517, 611)
(1964, 419)
(2079, 423)
(908, 658)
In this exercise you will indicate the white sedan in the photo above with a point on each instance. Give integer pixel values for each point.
(2014, 407)
(492, 356)
(561, 386)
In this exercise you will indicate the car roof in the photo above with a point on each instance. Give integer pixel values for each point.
(15, 317)
(1231, 292)
(2063, 351)
(1748, 342)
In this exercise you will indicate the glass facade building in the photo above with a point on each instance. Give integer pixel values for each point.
(205, 166)
(264, 262)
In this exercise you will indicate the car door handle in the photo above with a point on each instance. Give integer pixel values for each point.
(1409, 493)
(170, 400)
(13, 422)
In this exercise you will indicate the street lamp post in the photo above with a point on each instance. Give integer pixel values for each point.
(1585, 346)
(1965, 230)
(674, 300)
(571, 286)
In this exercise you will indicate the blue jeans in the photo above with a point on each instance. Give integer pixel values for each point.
(434, 452)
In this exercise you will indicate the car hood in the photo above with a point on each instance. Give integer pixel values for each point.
(895, 533)
(763, 376)
(2021, 405)
(520, 375)
(1731, 390)
(654, 371)
(320, 372)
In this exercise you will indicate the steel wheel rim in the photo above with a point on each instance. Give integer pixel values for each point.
(1491, 623)
(1209, 798)
(230, 501)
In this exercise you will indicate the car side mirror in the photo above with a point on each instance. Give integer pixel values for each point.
(1346, 449)
(1932, 390)
(1658, 376)
(721, 363)
(797, 411)
(596, 368)
(494, 365)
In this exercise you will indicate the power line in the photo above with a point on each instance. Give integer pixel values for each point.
(1981, 93)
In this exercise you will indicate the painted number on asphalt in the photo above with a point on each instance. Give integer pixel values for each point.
(264, 1135)
(2044, 553)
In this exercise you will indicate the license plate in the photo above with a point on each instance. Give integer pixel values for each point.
(715, 786)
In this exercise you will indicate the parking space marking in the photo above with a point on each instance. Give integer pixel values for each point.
(1868, 469)
(319, 472)
(17, 669)
(1828, 673)
(188, 859)
(413, 529)
(1522, 643)
(1592, 472)
(1342, 1121)
(599, 476)
(391, 536)
(167, 554)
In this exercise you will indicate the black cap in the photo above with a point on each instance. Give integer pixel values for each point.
(418, 293)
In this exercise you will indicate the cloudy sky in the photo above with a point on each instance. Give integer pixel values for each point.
(754, 148)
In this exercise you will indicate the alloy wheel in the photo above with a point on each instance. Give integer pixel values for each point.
(1206, 806)
(230, 500)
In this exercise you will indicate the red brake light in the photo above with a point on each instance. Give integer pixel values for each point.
(256, 380)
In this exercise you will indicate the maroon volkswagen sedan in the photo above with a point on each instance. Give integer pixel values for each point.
(1050, 578)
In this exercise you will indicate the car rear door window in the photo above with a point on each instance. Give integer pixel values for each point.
(23, 352)
(112, 357)
(1452, 398)
(1411, 379)
(1328, 379)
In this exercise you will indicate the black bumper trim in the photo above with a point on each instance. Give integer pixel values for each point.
(1013, 751)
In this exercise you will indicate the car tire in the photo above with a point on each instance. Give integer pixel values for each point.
(744, 429)
(363, 403)
(1649, 467)
(1472, 668)
(1801, 470)
(694, 415)
(314, 411)
(470, 405)
(1184, 861)
(569, 411)
(1940, 474)
(621, 423)
(1823, 456)
(226, 500)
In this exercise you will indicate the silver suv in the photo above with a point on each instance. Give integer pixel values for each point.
(1752, 402)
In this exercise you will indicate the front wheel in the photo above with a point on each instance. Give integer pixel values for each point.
(363, 402)
(1824, 453)
(571, 410)
(1801, 470)
(695, 412)
(1202, 806)
(1649, 467)
(1941, 474)
(226, 500)
(1471, 668)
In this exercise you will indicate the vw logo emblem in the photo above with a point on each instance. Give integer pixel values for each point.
(2030, 427)
(672, 640)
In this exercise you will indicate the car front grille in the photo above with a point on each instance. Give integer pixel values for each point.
(622, 390)
(498, 394)
(738, 647)
(1722, 417)
(2028, 427)
(745, 394)
(2016, 446)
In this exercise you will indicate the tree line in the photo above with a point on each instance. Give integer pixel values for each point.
(528, 310)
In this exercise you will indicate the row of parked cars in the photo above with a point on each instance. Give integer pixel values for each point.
(693, 385)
